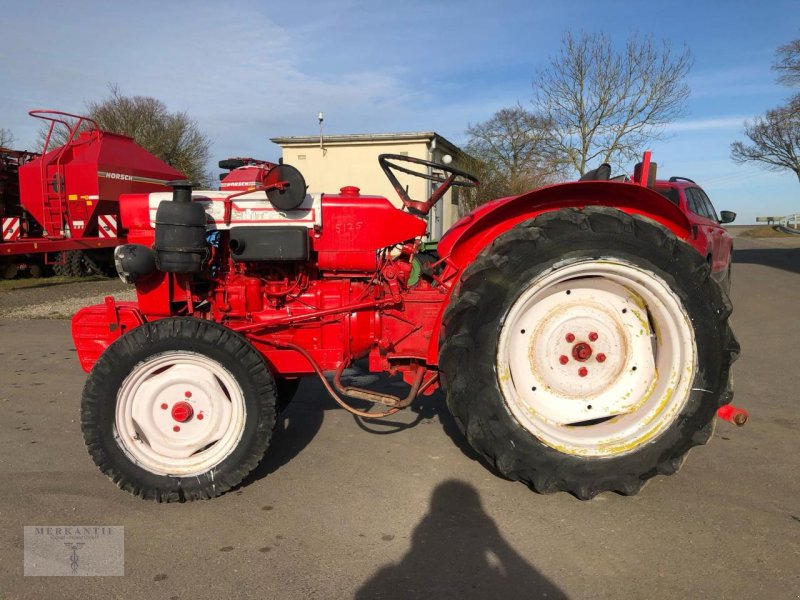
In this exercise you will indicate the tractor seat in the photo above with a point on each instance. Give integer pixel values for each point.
(601, 173)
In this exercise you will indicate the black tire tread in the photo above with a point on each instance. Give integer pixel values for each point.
(164, 333)
(490, 273)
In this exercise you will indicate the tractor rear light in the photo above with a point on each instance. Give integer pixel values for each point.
(134, 262)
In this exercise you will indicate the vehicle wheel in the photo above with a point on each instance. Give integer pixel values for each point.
(36, 270)
(9, 271)
(587, 351)
(92, 264)
(179, 409)
(79, 264)
(61, 266)
(69, 264)
(287, 388)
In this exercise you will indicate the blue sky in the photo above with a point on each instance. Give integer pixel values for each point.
(248, 71)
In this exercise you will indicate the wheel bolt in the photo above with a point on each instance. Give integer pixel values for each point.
(583, 371)
(592, 336)
(563, 359)
(570, 338)
(187, 394)
(601, 357)
(176, 428)
(200, 416)
(182, 411)
(164, 406)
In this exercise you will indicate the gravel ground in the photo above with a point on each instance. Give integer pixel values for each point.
(60, 301)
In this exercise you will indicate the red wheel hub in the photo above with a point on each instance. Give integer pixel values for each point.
(182, 412)
(581, 351)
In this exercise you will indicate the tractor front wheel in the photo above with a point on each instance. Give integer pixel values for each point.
(587, 351)
(178, 409)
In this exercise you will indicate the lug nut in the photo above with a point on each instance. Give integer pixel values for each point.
(176, 428)
(601, 357)
(164, 406)
(563, 359)
(583, 371)
(570, 338)
(182, 411)
(592, 336)
(188, 394)
(200, 416)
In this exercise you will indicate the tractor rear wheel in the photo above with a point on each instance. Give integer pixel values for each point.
(178, 409)
(587, 351)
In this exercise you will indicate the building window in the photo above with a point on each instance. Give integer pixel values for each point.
(403, 153)
(301, 157)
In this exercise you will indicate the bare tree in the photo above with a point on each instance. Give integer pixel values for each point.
(607, 105)
(492, 184)
(787, 63)
(510, 155)
(6, 138)
(775, 140)
(173, 137)
(775, 136)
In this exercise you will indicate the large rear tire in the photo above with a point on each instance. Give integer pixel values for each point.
(178, 409)
(587, 351)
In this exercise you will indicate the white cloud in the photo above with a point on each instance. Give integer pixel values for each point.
(733, 82)
(706, 124)
(234, 70)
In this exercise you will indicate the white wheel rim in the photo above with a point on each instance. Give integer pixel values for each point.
(179, 413)
(596, 357)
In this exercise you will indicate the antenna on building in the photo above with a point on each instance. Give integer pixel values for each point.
(320, 118)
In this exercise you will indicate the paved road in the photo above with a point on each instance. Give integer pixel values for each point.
(404, 510)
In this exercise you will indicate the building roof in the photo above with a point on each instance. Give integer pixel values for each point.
(367, 138)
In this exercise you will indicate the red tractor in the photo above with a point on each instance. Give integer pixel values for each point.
(578, 338)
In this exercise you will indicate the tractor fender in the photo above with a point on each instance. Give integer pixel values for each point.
(476, 230)
(473, 232)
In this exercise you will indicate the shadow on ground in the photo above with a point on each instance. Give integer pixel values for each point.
(303, 418)
(458, 552)
(787, 259)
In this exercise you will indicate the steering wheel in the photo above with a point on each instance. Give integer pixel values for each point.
(456, 177)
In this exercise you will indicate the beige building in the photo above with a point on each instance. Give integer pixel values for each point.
(331, 162)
